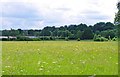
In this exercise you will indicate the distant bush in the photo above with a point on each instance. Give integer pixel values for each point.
(45, 38)
(72, 37)
(22, 38)
(104, 39)
(66, 38)
(99, 38)
(78, 39)
(52, 38)
(8, 39)
(12, 39)
(114, 39)
(5, 39)
(36, 39)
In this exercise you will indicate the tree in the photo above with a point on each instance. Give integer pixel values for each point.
(99, 26)
(117, 15)
(72, 27)
(45, 33)
(59, 33)
(49, 28)
(81, 27)
(72, 32)
(0, 33)
(79, 34)
(65, 33)
(31, 32)
(62, 28)
(109, 26)
(55, 33)
(14, 32)
(117, 19)
(72, 37)
(6, 33)
(20, 32)
(87, 34)
(108, 34)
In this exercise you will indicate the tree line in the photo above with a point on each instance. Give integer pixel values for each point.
(102, 31)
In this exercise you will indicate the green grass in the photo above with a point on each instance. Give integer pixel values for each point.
(59, 58)
(0, 58)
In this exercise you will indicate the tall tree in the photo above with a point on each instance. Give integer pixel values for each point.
(87, 34)
(81, 27)
(117, 19)
(99, 26)
(117, 15)
(79, 34)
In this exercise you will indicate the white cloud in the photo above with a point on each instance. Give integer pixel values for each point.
(39, 13)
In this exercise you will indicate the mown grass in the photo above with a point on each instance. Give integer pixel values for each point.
(59, 58)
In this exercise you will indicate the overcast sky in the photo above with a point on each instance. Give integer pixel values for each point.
(36, 14)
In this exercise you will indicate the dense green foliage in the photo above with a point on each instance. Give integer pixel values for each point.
(117, 19)
(117, 15)
(71, 32)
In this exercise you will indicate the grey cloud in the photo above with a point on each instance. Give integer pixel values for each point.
(19, 15)
(20, 23)
(98, 17)
(25, 16)
(19, 10)
(95, 15)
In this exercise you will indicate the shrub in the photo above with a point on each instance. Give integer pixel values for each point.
(8, 39)
(52, 38)
(104, 39)
(45, 38)
(66, 38)
(78, 39)
(97, 39)
(36, 39)
(114, 39)
(22, 38)
(72, 37)
(5, 39)
(12, 39)
(100, 39)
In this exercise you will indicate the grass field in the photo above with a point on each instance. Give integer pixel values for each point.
(59, 57)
